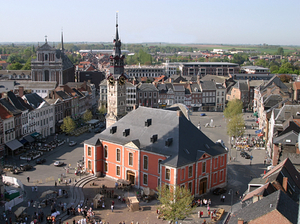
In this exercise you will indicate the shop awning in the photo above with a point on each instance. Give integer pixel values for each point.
(255, 114)
(35, 134)
(14, 144)
(260, 134)
(29, 138)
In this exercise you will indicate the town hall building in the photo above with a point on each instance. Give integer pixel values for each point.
(151, 147)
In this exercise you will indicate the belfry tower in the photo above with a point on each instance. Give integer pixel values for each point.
(116, 80)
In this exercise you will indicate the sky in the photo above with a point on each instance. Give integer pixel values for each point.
(272, 22)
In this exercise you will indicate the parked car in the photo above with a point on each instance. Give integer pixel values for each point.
(247, 156)
(242, 153)
(40, 161)
(72, 143)
(219, 191)
(202, 114)
(98, 130)
(58, 163)
(25, 167)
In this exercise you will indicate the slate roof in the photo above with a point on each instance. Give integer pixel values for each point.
(275, 80)
(286, 111)
(276, 201)
(14, 100)
(178, 88)
(34, 99)
(166, 125)
(30, 108)
(63, 95)
(290, 138)
(208, 85)
(146, 87)
(263, 190)
(241, 85)
(218, 79)
(5, 103)
(272, 100)
(195, 88)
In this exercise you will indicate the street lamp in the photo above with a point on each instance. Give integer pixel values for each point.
(231, 193)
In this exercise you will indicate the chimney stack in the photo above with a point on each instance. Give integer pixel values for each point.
(21, 91)
(285, 183)
(240, 221)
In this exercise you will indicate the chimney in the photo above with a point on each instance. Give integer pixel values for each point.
(240, 221)
(179, 113)
(285, 183)
(21, 91)
(163, 80)
(134, 81)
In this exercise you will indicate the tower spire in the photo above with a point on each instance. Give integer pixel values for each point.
(117, 41)
(62, 40)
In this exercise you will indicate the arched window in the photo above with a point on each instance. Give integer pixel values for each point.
(89, 151)
(90, 165)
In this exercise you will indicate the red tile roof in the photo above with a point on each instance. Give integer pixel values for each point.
(297, 85)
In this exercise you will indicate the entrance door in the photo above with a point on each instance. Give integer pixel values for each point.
(131, 176)
(203, 186)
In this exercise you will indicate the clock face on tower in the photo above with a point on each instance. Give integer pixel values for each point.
(111, 80)
(122, 80)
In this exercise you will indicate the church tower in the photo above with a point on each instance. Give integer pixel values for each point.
(116, 84)
(52, 64)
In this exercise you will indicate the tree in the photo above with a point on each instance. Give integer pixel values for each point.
(234, 107)
(68, 125)
(175, 202)
(285, 78)
(87, 116)
(236, 126)
(280, 51)
(15, 66)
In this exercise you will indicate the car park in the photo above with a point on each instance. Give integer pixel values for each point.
(72, 143)
(58, 163)
(219, 191)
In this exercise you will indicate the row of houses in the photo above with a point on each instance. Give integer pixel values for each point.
(24, 113)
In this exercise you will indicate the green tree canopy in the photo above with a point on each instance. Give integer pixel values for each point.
(87, 116)
(236, 125)
(280, 51)
(175, 202)
(15, 66)
(234, 107)
(68, 125)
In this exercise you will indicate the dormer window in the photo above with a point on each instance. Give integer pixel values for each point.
(169, 142)
(148, 122)
(113, 130)
(153, 138)
(126, 132)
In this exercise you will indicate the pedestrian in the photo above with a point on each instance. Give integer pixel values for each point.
(112, 208)
(28, 178)
(201, 214)
(36, 188)
(32, 188)
(55, 183)
(223, 198)
(264, 162)
(70, 181)
(28, 203)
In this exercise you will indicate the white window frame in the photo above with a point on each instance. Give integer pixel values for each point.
(129, 159)
(204, 162)
(117, 155)
(216, 162)
(221, 175)
(117, 170)
(106, 170)
(144, 162)
(159, 161)
(189, 171)
(145, 175)
(183, 172)
(169, 174)
(105, 149)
